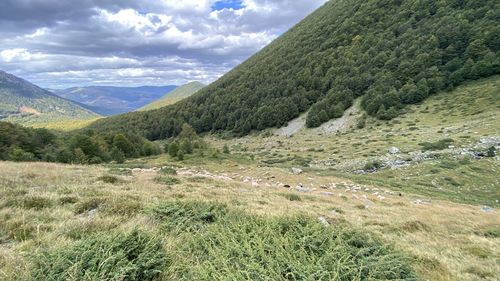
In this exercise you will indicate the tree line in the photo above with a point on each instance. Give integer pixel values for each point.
(19, 143)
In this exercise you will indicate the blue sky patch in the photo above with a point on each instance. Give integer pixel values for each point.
(228, 4)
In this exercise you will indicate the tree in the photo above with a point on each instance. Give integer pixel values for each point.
(186, 146)
(121, 142)
(409, 93)
(86, 147)
(80, 156)
(117, 155)
(312, 120)
(180, 155)
(188, 132)
(173, 148)
(337, 111)
(17, 154)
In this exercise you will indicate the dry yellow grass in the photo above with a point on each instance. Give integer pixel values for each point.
(445, 237)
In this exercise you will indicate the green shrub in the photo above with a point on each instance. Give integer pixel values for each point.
(167, 180)
(438, 145)
(131, 256)
(29, 202)
(188, 216)
(372, 165)
(292, 197)
(89, 205)
(491, 152)
(168, 171)
(253, 248)
(493, 232)
(109, 179)
(173, 148)
(19, 155)
(68, 200)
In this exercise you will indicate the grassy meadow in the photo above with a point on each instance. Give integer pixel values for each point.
(245, 214)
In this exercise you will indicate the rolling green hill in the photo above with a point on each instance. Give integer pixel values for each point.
(390, 53)
(176, 95)
(24, 103)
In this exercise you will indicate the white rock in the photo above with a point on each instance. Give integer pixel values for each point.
(393, 150)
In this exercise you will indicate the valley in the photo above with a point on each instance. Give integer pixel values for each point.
(337, 140)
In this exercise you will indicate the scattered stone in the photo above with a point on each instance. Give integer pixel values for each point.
(327, 193)
(92, 213)
(393, 150)
(422, 202)
(487, 209)
(302, 189)
(368, 204)
(296, 171)
(323, 221)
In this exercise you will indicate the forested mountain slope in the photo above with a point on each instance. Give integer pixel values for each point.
(389, 52)
(24, 103)
(176, 95)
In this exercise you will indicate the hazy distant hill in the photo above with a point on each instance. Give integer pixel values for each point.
(27, 104)
(176, 95)
(107, 100)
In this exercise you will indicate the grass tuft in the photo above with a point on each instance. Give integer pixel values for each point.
(109, 179)
(167, 180)
(292, 196)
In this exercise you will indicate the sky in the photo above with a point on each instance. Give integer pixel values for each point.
(69, 43)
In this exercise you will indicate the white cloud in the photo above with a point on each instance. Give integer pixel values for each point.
(138, 41)
(18, 54)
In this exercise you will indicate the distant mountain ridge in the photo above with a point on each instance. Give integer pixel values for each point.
(25, 103)
(176, 95)
(109, 100)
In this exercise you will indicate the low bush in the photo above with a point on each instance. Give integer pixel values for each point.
(438, 145)
(188, 216)
(245, 247)
(109, 179)
(168, 171)
(29, 202)
(89, 205)
(167, 180)
(292, 197)
(373, 165)
(130, 256)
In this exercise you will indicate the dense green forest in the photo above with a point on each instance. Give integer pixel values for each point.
(389, 52)
(18, 143)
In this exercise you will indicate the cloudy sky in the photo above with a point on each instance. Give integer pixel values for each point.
(65, 43)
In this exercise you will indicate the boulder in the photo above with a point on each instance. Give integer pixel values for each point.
(393, 150)
(487, 209)
(296, 171)
(323, 221)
